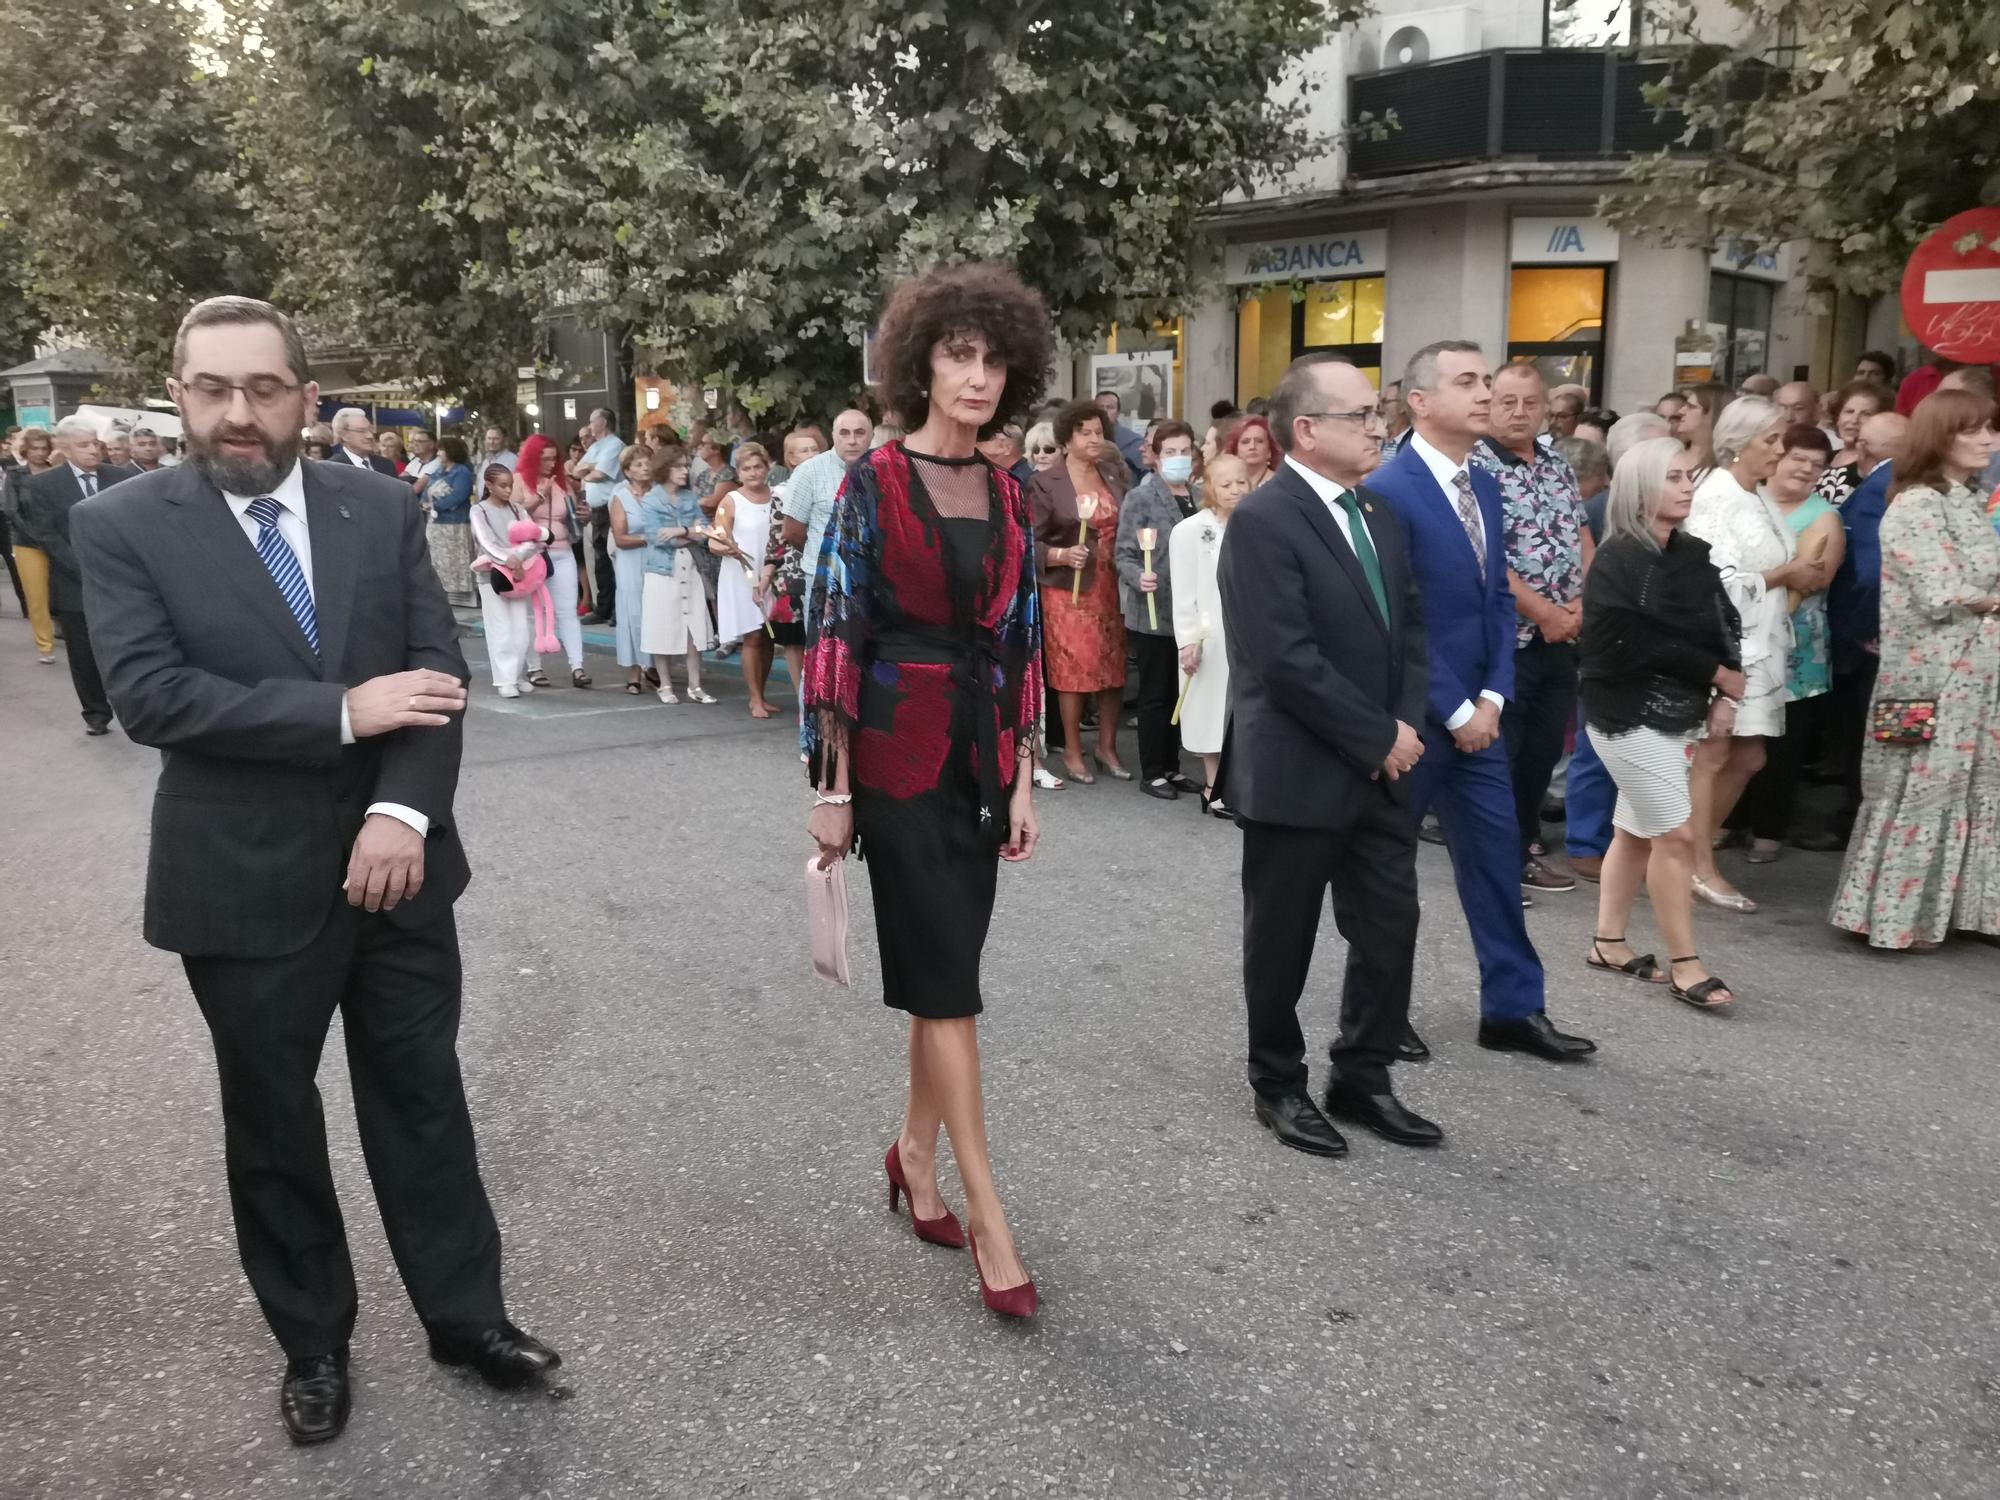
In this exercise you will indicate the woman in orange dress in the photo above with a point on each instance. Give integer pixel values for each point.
(1083, 628)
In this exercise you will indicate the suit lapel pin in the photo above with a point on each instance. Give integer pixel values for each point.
(344, 515)
(1367, 507)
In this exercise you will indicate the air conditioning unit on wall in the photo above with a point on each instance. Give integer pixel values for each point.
(1412, 38)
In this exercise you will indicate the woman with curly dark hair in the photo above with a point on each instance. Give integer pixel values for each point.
(922, 687)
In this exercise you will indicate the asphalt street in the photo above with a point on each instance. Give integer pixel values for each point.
(1752, 1256)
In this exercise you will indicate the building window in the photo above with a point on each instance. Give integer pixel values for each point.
(1272, 330)
(1739, 318)
(1555, 321)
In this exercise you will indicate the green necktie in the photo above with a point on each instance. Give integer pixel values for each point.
(1364, 549)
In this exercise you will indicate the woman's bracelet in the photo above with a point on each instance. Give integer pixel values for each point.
(832, 799)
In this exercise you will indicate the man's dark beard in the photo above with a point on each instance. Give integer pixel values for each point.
(242, 476)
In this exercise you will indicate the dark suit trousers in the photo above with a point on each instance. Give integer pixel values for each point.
(83, 667)
(397, 992)
(1371, 868)
(1534, 724)
(1847, 712)
(604, 596)
(1159, 685)
(7, 556)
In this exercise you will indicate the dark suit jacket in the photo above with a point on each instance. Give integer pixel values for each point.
(45, 509)
(1469, 620)
(258, 802)
(1854, 600)
(1317, 679)
(1052, 512)
(339, 454)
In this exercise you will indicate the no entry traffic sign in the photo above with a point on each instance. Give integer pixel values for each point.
(1951, 288)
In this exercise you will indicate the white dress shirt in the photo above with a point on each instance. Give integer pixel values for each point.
(1446, 473)
(291, 497)
(1329, 493)
(87, 480)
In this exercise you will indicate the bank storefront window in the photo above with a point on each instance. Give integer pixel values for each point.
(1743, 282)
(1558, 295)
(1331, 297)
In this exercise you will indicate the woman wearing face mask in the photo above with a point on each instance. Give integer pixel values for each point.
(1192, 554)
(1251, 442)
(1167, 495)
(1756, 553)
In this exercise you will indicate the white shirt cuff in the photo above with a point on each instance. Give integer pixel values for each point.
(346, 723)
(1463, 717)
(1493, 698)
(403, 814)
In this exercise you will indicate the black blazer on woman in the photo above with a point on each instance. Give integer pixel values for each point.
(1656, 625)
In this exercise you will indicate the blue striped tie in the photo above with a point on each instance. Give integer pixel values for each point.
(285, 570)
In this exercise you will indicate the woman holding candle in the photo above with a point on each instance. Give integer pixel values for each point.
(1075, 509)
(921, 691)
(1192, 553)
(1168, 495)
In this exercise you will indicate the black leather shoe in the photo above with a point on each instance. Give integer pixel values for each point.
(1382, 1113)
(96, 729)
(1410, 1047)
(1535, 1034)
(1163, 789)
(314, 1399)
(505, 1357)
(1182, 782)
(1295, 1121)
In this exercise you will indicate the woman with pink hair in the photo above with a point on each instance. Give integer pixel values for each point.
(541, 487)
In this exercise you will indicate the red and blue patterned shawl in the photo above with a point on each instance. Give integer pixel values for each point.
(882, 572)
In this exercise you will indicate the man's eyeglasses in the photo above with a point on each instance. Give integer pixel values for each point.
(1363, 417)
(262, 390)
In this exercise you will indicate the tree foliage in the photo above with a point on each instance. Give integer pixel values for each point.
(1884, 123)
(736, 184)
(117, 161)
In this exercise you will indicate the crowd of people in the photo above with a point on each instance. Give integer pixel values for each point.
(1354, 607)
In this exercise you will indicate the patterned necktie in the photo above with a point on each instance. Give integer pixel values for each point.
(89, 484)
(1469, 518)
(285, 570)
(1364, 552)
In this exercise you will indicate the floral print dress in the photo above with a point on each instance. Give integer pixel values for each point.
(1925, 855)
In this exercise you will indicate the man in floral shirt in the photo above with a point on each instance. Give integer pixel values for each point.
(1548, 549)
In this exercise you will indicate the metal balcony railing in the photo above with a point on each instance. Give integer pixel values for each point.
(1534, 104)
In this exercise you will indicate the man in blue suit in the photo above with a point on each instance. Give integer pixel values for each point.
(1451, 518)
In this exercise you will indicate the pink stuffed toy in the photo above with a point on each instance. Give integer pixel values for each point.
(530, 580)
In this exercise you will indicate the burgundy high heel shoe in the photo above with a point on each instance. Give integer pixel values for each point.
(1015, 1302)
(944, 1230)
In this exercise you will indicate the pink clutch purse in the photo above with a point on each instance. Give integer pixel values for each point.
(826, 915)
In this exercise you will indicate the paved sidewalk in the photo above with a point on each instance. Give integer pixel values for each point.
(1751, 1257)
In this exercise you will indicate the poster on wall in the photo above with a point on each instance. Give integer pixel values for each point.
(1144, 382)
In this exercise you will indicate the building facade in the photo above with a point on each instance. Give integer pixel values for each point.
(1462, 204)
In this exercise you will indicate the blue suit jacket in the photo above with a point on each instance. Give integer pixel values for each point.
(1469, 621)
(1854, 599)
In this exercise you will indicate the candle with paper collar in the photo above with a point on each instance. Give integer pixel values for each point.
(1086, 507)
(1181, 702)
(1148, 535)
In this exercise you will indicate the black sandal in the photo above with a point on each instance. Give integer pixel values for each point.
(579, 678)
(1697, 994)
(633, 688)
(538, 678)
(1645, 967)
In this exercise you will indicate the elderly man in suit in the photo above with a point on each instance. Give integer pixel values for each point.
(78, 473)
(1450, 512)
(275, 628)
(354, 442)
(1325, 635)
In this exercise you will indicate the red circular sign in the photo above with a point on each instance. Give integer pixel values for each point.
(1951, 288)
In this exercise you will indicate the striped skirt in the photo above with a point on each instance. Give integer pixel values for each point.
(1650, 770)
